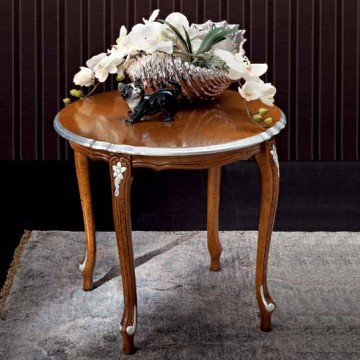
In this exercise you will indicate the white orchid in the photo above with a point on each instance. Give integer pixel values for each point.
(257, 89)
(92, 62)
(179, 21)
(239, 66)
(233, 61)
(102, 64)
(122, 35)
(149, 37)
(152, 17)
(253, 71)
(123, 47)
(85, 77)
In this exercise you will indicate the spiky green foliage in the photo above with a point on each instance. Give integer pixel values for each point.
(188, 41)
(178, 34)
(213, 37)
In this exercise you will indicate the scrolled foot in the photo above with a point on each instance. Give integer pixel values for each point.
(127, 333)
(88, 283)
(267, 307)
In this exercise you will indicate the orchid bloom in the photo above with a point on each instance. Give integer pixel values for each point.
(122, 35)
(102, 65)
(257, 89)
(149, 38)
(85, 77)
(152, 17)
(179, 21)
(122, 48)
(239, 66)
(233, 61)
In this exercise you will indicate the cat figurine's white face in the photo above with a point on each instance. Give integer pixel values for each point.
(131, 93)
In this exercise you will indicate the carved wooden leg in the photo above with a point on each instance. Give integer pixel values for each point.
(88, 265)
(120, 169)
(269, 167)
(213, 197)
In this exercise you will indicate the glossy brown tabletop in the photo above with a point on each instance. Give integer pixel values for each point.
(98, 122)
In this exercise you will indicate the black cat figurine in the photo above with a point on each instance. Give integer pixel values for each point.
(163, 100)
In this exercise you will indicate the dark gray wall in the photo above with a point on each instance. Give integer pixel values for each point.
(311, 46)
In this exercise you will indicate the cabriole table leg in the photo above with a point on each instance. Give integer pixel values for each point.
(213, 198)
(120, 170)
(88, 265)
(269, 167)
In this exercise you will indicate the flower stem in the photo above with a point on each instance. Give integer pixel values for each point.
(92, 90)
(247, 110)
(250, 117)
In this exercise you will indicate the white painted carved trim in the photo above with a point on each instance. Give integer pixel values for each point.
(82, 265)
(269, 307)
(130, 330)
(118, 171)
(170, 151)
(275, 158)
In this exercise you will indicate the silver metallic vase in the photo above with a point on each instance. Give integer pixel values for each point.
(197, 83)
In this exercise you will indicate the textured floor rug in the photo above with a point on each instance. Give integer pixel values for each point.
(184, 310)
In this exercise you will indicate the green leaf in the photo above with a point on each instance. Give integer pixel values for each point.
(213, 37)
(188, 41)
(177, 33)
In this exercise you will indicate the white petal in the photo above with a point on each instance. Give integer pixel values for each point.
(248, 77)
(154, 15)
(240, 56)
(267, 100)
(102, 75)
(85, 77)
(166, 46)
(258, 69)
(234, 74)
(92, 62)
(269, 90)
(252, 86)
(251, 90)
(136, 28)
(227, 56)
(122, 35)
(241, 92)
(123, 31)
(229, 59)
(178, 20)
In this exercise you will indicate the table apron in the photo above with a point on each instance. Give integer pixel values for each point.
(177, 162)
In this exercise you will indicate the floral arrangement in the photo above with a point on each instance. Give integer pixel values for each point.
(210, 45)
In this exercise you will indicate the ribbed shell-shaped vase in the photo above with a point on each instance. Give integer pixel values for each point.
(196, 83)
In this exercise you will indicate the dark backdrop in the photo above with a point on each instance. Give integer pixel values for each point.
(311, 46)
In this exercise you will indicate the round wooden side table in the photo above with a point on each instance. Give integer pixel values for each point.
(206, 136)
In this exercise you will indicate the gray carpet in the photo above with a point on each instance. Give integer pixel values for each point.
(184, 310)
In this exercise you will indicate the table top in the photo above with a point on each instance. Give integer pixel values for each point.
(222, 125)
